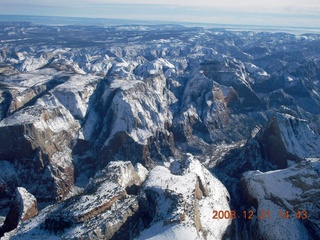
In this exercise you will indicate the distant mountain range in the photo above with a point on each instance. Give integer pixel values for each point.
(58, 20)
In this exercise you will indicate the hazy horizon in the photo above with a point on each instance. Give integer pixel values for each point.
(288, 13)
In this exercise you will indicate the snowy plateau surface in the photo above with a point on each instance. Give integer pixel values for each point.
(143, 132)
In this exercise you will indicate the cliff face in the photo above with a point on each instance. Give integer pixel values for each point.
(23, 207)
(36, 142)
(293, 190)
(288, 138)
(290, 144)
(121, 201)
(107, 208)
(285, 153)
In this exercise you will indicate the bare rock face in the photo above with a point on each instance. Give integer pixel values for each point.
(5, 100)
(230, 72)
(27, 202)
(37, 140)
(275, 149)
(107, 209)
(203, 110)
(122, 202)
(23, 207)
(287, 137)
(127, 117)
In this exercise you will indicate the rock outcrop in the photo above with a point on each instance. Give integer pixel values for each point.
(288, 138)
(23, 207)
(180, 203)
(115, 205)
(107, 209)
(295, 190)
(37, 141)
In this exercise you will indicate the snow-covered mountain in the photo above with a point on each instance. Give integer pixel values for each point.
(136, 132)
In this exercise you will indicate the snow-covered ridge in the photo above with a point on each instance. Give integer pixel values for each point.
(39, 116)
(75, 93)
(193, 195)
(295, 190)
(299, 138)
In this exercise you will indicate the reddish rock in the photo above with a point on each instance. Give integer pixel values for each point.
(23, 207)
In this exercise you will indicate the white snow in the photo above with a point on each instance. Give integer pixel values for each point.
(75, 93)
(169, 232)
(298, 137)
(142, 171)
(255, 70)
(124, 84)
(32, 63)
(27, 199)
(32, 228)
(62, 122)
(289, 189)
(34, 78)
(161, 180)
(18, 118)
(156, 66)
(140, 108)
(87, 202)
(124, 173)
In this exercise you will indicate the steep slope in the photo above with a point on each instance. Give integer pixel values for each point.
(184, 201)
(296, 190)
(37, 141)
(288, 143)
(288, 138)
(176, 206)
(23, 207)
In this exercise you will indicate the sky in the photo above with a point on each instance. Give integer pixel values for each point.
(294, 13)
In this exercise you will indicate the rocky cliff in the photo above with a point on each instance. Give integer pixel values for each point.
(23, 207)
